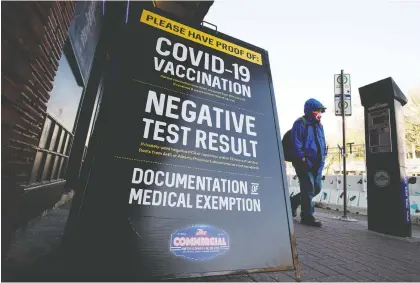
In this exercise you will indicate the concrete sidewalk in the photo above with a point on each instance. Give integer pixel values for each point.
(337, 252)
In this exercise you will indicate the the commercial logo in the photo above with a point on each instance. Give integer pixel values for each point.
(199, 242)
(381, 178)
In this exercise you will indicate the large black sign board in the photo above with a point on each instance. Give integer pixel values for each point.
(187, 176)
(84, 33)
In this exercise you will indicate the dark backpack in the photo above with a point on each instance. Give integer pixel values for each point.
(287, 143)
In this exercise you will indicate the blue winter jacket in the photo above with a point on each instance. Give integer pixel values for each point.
(304, 137)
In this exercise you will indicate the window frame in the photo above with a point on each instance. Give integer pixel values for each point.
(54, 157)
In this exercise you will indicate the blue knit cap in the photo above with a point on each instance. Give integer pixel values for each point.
(311, 105)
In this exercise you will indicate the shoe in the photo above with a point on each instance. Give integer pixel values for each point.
(310, 221)
(294, 205)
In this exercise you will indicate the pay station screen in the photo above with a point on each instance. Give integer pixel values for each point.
(379, 131)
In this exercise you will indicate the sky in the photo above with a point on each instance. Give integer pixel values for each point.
(310, 41)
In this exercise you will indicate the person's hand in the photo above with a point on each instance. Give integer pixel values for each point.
(305, 163)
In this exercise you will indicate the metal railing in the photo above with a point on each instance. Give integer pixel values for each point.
(355, 161)
(52, 154)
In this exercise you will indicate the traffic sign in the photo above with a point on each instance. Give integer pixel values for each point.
(347, 105)
(337, 84)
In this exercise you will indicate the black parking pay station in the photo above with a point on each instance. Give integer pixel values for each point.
(388, 200)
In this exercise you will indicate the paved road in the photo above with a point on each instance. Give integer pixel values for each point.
(337, 252)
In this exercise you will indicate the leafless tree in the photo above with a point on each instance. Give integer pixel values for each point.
(412, 119)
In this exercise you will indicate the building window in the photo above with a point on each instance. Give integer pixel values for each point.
(65, 96)
(53, 151)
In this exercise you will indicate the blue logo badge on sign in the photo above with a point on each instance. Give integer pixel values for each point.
(199, 242)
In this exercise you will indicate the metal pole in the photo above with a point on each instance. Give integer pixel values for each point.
(344, 145)
(339, 160)
(339, 167)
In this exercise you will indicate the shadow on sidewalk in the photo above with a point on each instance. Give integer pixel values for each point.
(338, 251)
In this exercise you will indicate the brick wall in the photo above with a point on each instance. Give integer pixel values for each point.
(33, 36)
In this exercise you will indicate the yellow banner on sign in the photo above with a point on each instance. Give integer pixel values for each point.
(200, 37)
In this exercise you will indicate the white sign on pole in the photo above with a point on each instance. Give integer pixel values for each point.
(347, 105)
(337, 84)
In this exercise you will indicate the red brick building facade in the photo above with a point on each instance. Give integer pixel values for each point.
(34, 34)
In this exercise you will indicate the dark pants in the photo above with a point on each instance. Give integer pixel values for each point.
(310, 186)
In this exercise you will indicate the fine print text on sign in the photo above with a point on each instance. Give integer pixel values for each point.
(190, 159)
(337, 84)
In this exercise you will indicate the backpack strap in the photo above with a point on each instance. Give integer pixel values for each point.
(306, 129)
